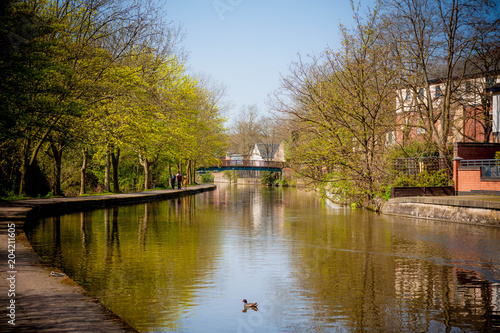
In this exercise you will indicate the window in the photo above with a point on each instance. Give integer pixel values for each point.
(420, 127)
(421, 93)
(390, 138)
(467, 87)
(438, 91)
(491, 82)
(408, 95)
(420, 130)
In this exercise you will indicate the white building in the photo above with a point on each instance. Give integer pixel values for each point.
(268, 152)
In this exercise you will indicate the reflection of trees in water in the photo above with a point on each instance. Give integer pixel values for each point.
(111, 237)
(260, 209)
(56, 234)
(141, 261)
(359, 275)
(351, 271)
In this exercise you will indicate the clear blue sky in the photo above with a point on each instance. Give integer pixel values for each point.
(246, 44)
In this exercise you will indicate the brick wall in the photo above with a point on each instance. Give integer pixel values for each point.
(475, 151)
(470, 181)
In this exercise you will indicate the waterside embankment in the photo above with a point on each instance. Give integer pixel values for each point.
(34, 300)
(481, 210)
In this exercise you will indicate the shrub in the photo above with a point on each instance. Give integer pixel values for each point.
(268, 178)
(207, 177)
(231, 175)
(437, 178)
(424, 179)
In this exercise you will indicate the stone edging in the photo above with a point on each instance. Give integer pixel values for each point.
(473, 210)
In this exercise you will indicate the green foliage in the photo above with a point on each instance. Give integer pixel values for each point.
(438, 178)
(67, 85)
(341, 112)
(497, 155)
(424, 179)
(284, 183)
(268, 178)
(406, 181)
(207, 177)
(413, 149)
(231, 175)
(386, 195)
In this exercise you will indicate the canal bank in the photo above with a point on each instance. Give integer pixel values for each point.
(481, 210)
(37, 301)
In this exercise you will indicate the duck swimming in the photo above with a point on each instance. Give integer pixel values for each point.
(249, 305)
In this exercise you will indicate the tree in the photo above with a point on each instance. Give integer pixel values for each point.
(247, 130)
(434, 40)
(158, 113)
(58, 54)
(340, 109)
(273, 134)
(484, 67)
(209, 131)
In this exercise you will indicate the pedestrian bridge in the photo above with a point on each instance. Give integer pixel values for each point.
(246, 165)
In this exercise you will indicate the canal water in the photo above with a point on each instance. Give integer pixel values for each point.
(186, 265)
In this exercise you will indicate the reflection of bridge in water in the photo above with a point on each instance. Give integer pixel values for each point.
(246, 168)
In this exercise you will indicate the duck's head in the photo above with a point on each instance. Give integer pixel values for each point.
(244, 301)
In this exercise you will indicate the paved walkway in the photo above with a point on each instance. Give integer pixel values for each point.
(45, 303)
(468, 201)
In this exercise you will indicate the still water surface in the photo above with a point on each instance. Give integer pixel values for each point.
(186, 264)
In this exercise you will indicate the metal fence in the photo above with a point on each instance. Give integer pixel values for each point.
(489, 168)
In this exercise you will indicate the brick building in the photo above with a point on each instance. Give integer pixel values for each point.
(466, 113)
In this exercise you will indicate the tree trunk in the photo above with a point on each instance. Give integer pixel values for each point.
(24, 168)
(146, 165)
(188, 171)
(29, 160)
(57, 152)
(115, 159)
(107, 185)
(193, 173)
(83, 171)
(488, 125)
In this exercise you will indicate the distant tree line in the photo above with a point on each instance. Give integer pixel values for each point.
(340, 105)
(250, 128)
(94, 95)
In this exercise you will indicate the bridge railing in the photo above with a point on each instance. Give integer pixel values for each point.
(249, 163)
(489, 168)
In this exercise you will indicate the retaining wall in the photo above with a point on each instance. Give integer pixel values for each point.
(459, 209)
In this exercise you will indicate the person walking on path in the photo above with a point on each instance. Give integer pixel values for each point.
(172, 181)
(179, 180)
(185, 181)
